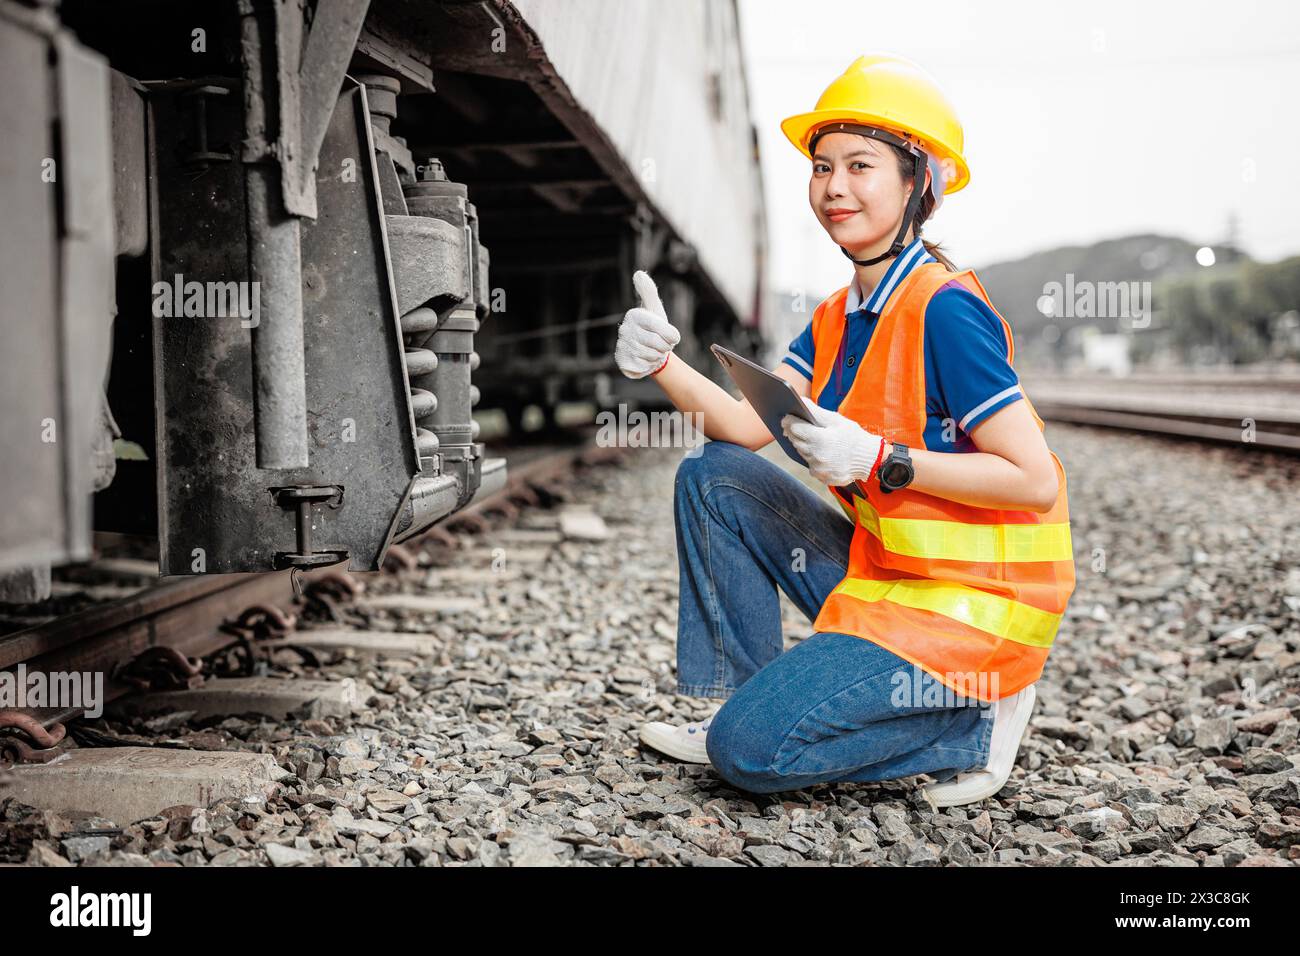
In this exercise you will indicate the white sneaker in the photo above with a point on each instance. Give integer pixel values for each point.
(1010, 720)
(686, 743)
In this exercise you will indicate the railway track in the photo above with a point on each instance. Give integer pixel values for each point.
(1261, 411)
(157, 637)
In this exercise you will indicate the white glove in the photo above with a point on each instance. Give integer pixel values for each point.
(839, 451)
(646, 336)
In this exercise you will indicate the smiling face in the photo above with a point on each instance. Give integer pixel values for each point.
(857, 191)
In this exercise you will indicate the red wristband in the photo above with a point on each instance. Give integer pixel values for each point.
(880, 453)
(876, 464)
(665, 362)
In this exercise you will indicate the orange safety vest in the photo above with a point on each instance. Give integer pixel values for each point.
(974, 596)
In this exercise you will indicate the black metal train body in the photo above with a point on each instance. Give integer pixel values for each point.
(249, 306)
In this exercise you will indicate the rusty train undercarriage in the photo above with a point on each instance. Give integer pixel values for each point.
(246, 263)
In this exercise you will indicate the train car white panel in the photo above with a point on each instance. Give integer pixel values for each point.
(665, 80)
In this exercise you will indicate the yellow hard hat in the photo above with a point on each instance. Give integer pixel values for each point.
(895, 94)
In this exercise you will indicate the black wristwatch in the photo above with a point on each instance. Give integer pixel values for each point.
(896, 471)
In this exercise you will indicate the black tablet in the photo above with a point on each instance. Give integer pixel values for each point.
(771, 396)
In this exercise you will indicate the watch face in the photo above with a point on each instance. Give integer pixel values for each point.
(895, 473)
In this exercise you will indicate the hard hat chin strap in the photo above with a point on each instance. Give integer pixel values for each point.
(900, 240)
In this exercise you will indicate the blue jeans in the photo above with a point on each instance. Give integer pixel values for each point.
(833, 708)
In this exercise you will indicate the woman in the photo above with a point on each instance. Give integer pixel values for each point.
(934, 607)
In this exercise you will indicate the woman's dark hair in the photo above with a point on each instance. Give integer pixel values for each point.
(906, 167)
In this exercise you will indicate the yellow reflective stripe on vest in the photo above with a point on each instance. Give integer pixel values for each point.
(959, 541)
(987, 612)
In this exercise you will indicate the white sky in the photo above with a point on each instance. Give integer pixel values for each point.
(1083, 121)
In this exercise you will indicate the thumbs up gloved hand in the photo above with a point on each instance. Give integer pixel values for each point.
(646, 337)
(838, 450)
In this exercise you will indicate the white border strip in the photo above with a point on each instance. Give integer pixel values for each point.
(799, 363)
(904, 264)
(986, 403)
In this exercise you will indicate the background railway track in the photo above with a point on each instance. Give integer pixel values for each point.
(1260, 411)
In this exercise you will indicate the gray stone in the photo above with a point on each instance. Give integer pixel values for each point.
(1094, 824)
(893, 824)
(288, 856)
(267, 696)
(125, 784)
(1207, 838)
(1176, 819)
(1214, 735)
(383, 643)
(421, 603)
(81, 849)
(1060, 729)
(1044, 808)
(43, 854)
(770, 855)
(1261, 760)
(582, 525)
(534, 849)
(1278, 834)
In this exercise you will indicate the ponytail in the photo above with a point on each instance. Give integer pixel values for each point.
(934, 250)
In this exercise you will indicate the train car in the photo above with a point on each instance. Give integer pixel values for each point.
(249, 305)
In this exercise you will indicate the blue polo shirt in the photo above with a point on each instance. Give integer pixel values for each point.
(967, 375)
